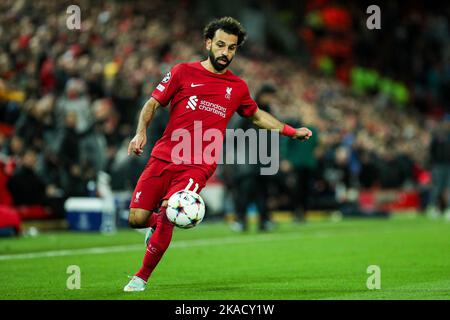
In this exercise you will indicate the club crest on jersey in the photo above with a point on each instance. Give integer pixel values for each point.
(228, 94)
(138, 194)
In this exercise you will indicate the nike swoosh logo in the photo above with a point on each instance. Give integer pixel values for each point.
(196, 85)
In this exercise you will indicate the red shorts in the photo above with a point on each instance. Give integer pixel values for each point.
(160, 179)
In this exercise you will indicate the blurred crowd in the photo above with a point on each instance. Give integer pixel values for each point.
(69, 102)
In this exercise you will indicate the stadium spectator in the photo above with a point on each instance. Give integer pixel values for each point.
(440, 170)
(299, 164)
(75, 100)
(25, 185)
(368, 175)
(71, 171)
(248, 185)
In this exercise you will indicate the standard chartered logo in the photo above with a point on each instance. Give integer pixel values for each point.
(192, 103)
(213, 108)
(204, 105)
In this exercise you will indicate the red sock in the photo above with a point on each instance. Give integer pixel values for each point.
(159, 242)
(152, 222)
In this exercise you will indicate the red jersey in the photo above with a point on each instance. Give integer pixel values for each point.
(200, 100)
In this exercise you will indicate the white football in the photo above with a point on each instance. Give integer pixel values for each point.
(185, 209)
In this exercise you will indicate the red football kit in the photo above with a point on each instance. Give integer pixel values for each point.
(202, 103)
(199, 100)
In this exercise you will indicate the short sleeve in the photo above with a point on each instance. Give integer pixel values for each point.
(168, 86)
(248, 106)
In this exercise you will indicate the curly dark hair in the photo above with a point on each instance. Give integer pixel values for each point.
(227, 24)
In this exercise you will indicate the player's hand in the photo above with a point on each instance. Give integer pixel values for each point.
(137, 144)
(303, 134)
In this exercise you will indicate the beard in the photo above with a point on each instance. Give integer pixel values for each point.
(215, 61)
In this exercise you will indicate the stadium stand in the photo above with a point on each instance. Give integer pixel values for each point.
(73, 96)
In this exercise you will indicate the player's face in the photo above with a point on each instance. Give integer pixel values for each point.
(222, 49)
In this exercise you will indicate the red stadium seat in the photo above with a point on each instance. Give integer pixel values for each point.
(32, 212)
(9, 218)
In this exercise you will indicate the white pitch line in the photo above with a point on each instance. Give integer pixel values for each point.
(69, 252)
(181, 244)
(140, 247)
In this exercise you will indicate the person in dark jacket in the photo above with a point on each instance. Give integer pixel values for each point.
(440, 169)
(249, 185)
(299, 162)
(69, 153)
(25, 186)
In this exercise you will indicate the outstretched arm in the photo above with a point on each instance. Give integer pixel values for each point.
(140, 139)
(265, 120)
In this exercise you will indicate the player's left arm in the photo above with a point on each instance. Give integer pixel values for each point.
(267, 121)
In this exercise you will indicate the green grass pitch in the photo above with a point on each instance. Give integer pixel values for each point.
(316, 260)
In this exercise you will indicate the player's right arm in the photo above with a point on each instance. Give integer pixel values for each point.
(161, 96)
(140, 139)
